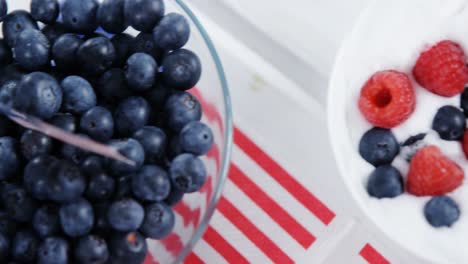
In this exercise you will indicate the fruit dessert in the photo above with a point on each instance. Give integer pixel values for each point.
(71, 65)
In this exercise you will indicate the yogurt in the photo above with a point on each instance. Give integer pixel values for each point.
(391, 35)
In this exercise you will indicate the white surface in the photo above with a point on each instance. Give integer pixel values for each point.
(405, 29)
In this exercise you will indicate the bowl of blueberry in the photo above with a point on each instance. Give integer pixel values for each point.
(115, 131)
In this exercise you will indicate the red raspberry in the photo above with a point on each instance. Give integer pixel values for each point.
(465, 143)
(442, 69)
(432, 173)
(387, 99)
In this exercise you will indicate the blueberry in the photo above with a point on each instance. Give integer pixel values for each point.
(54, 31)
(5, 245)
(196, 138)
(450, 123)
(100, 187)
(181, 108)
(98, 123)
(157, 96)
(11, 72)
(411, 145)
(464, 101)
(6, 56)
(128, 248)
(123, 48)
(7, 127)
(78, 95)
(8, 226)
(125, 215)
(385, 182)
(35, 176)
(3, 9)
(9, 157)
(64, 51)
(65, 121)
(53, 250)
(92, 164)
(154, 141)
(181, 69)
(112, 86)
(45, 11)
(141, 71)
(131, 115)
(151, 184)
(35, 144)
(172, 32)
(144, 43)
(80, 16)
(143, 15)
(175, 148)
(101, 225)
(8, 92)
(32, 49)
(175, 196)
(76, 218)
(441, 211)
(123, 186)
(18, 204)
(65, 182)
(91, 249)
(414, 139)
(73, 153)
(38, 94)
(14, 23)
(188, 173)
(131, 149)
(110, 16)
(24, 246)
(378, 146)
(46, 221)
(159, 221)
(96, 55)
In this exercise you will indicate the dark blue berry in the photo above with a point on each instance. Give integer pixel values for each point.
(46, 221)
(196, 138)
(8, 226)
(144, 43)
(100, 187)
(24, 246)
(414, 139)
(110, 16)
(128, 248)
(9, 157)
(65, 121)
(18, 204)
(450, 123)
(151, 184)
(45, 11)
(64, 51)
(7, 127)
(78, 95)
(6, 56)
(3, 9)
(5, 245)
(53, 250)
(73, 153)
(65, 182)
(159, 221)
(154, 141)
(141, 71)
(175, 196)
(35, 176)
(76, 218)
(14, 23)
(91, 249)
(112, 86)
(464, 101)
(80, 16)
(131, 149)
(32, 49)
(123, 186)
(92, 164)
(101, 225)
(385, 182)
(98, 123)
(172, 32)
(378, 146)
(35, 144)
(182, 108)
(143, 15)
(125, 215)
(54, 31)
(181, 69)
(8, 92)
(157, 96)
(188, 173)
(11, 72)
(441, 211)
(174, 149)
(131, 115)
(123, 44)
(39, 94)
(96, 55)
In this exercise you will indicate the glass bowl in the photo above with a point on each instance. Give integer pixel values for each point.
(194, 212)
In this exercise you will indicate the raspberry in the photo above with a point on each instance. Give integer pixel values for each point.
(442, 69)
(432, 173)
(387, 99)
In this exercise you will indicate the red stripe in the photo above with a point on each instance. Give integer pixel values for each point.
(193, 259)
(276, 212)
(372, 256)
(173, 244)
(296, 189)
(149, 259)
(244, 225)
(216, 241)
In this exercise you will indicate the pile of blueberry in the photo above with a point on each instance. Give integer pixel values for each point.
(70, 64)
